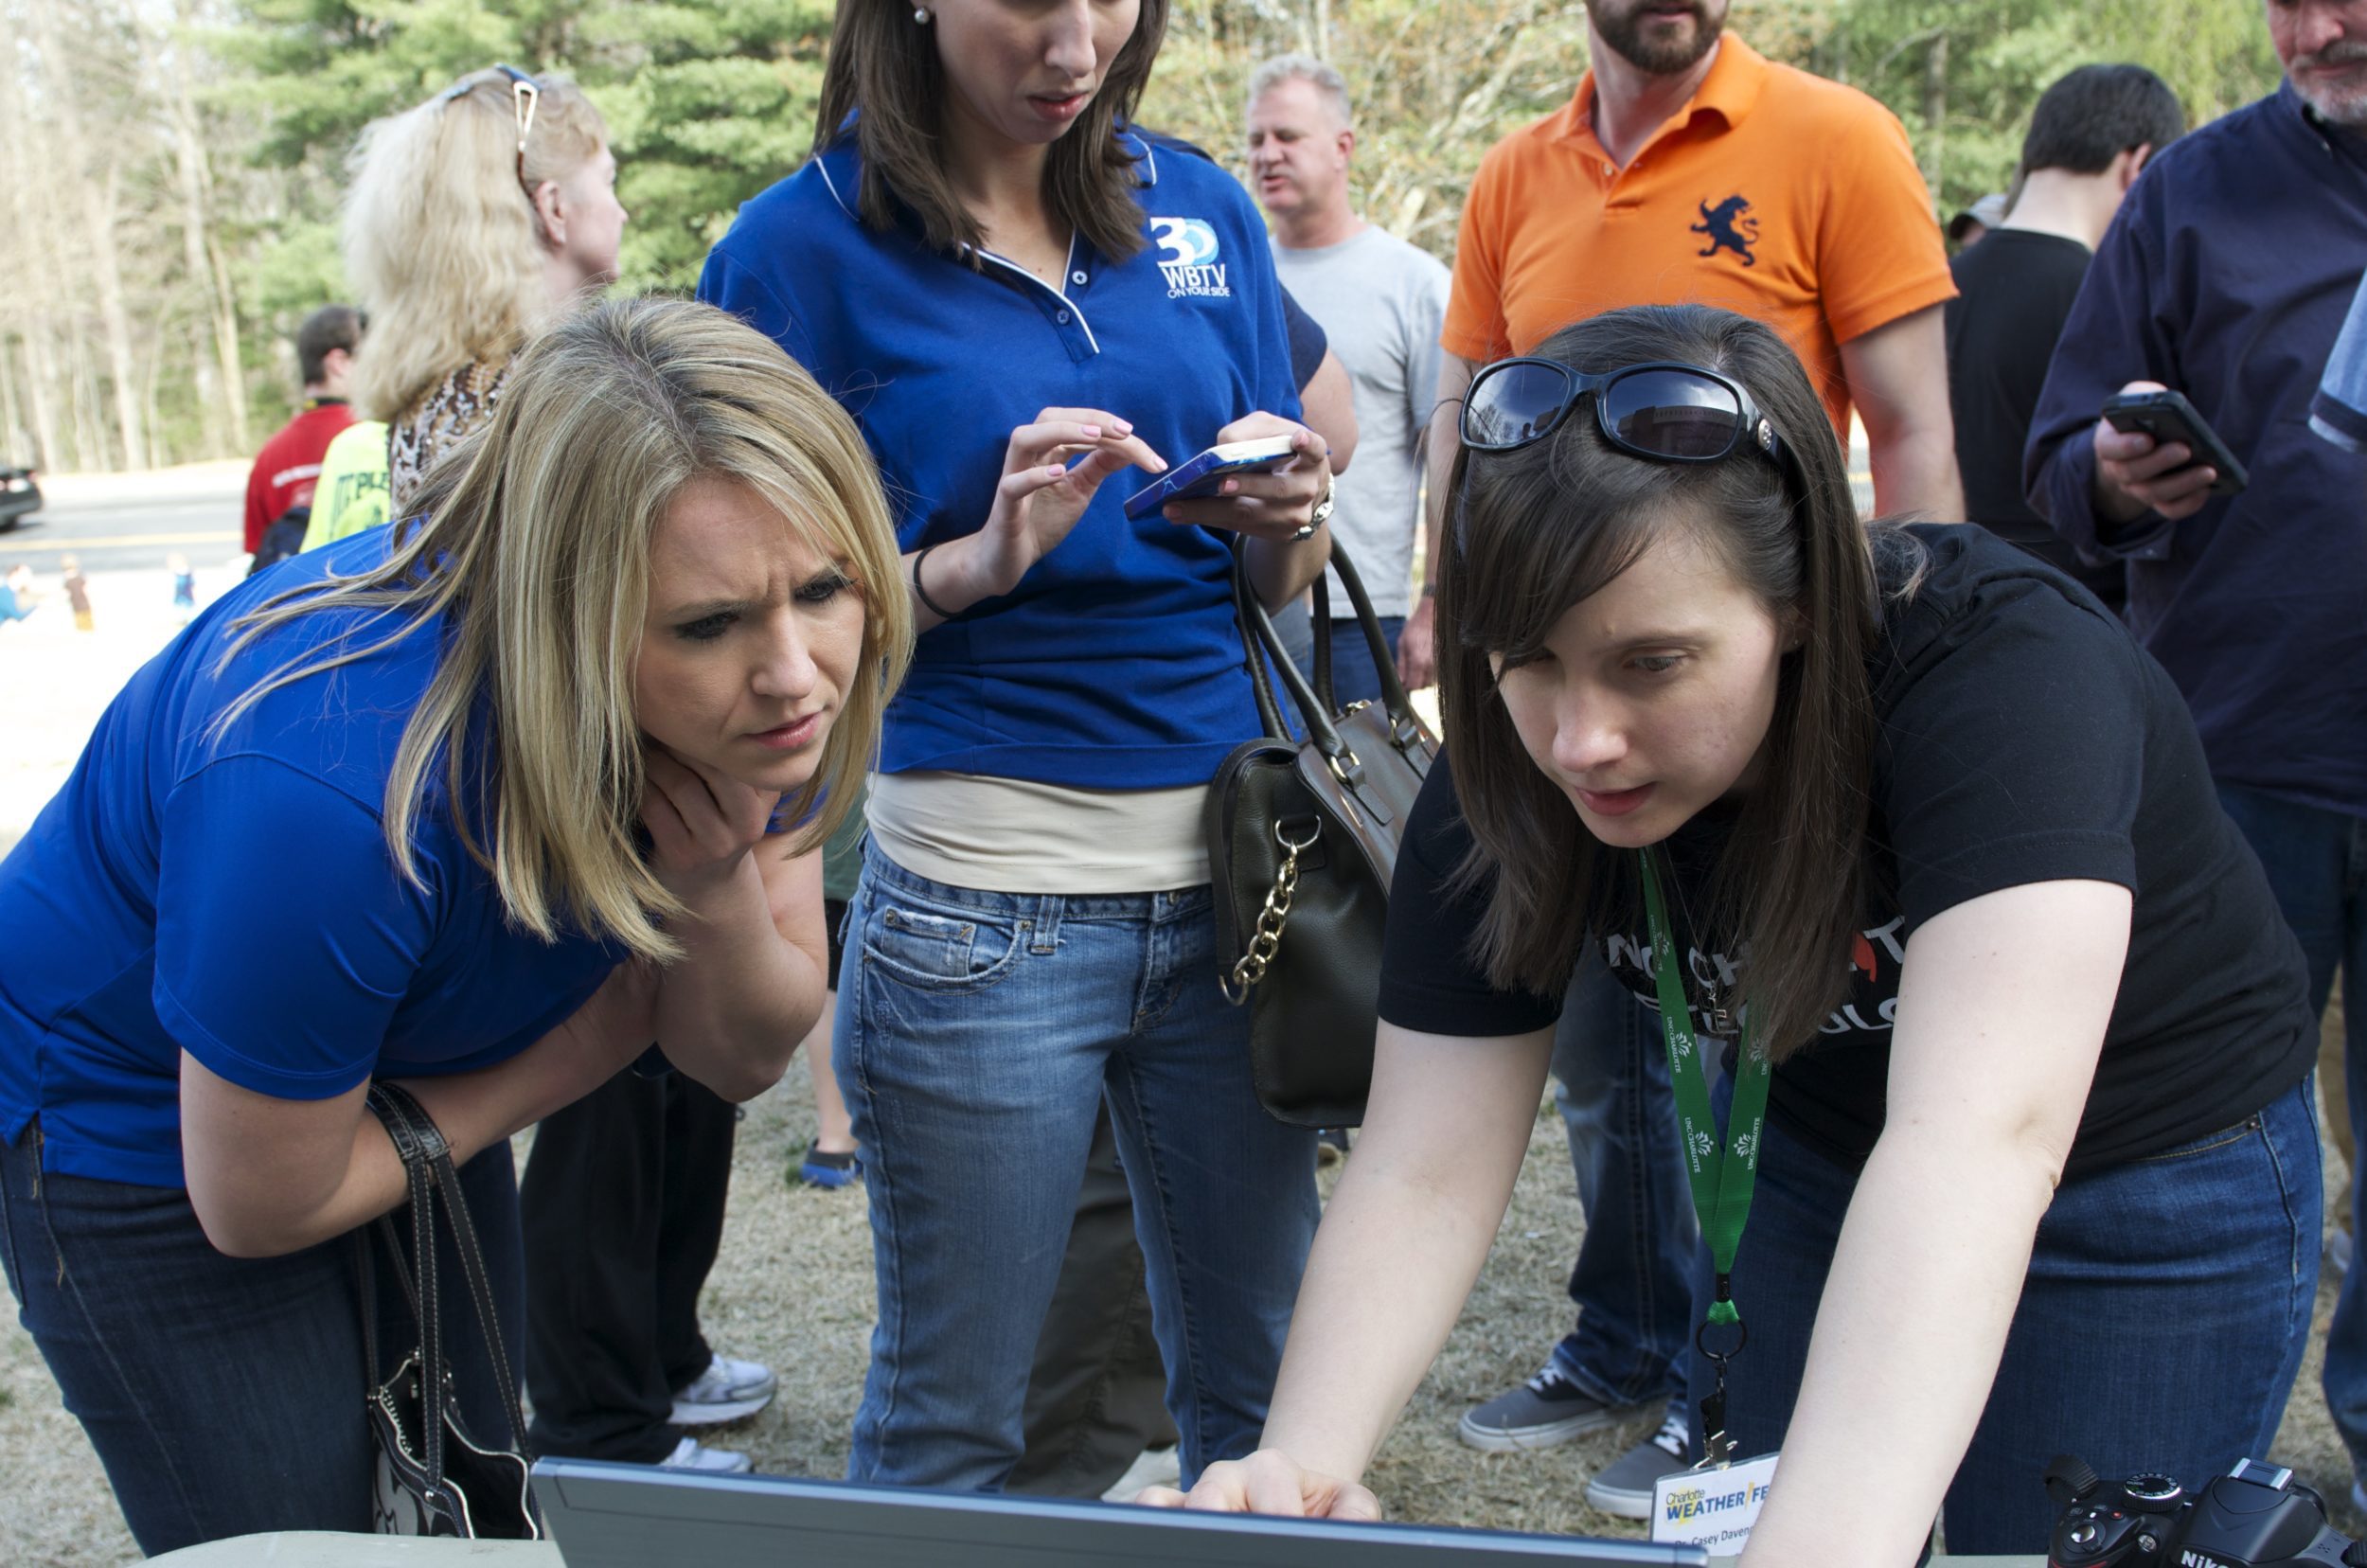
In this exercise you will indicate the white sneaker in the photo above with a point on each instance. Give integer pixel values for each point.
(1156, 1467)
(691, 1454)
(728, 1390)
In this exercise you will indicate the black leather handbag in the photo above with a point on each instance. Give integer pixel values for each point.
(1303, 839)
(434, 1478)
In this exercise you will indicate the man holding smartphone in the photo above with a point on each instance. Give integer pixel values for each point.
(2226, 277)
(2090, 136)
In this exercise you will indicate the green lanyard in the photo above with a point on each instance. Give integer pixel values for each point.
(1721, 1180)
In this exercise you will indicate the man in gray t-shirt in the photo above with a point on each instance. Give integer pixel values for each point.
(1380, 302)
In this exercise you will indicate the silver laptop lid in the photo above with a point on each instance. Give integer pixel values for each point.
(635, 1516)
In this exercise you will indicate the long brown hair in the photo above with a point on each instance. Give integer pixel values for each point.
(1542, 527)
(882, 69)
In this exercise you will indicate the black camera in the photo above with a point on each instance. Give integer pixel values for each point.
(2255, 1516)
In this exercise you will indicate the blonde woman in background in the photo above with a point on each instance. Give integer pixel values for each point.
(474, 218)
(483, 802)
(471, 220)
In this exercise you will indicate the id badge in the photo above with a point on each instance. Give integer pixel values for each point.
(1712, 1507)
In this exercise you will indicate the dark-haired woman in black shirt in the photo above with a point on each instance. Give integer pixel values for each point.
(2038, 1169)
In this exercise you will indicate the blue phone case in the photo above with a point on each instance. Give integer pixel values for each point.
(1199, 475)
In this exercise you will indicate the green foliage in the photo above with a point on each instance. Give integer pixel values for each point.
(708, 102)
(1963, 75)
(1435, 82)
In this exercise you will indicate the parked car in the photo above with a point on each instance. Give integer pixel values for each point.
(20, 495)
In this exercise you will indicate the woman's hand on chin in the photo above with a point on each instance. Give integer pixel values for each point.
(1269, 1482)
(702, 824)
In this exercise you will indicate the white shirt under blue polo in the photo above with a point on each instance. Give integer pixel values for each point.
(1115, 665)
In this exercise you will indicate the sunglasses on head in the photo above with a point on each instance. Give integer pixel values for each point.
(1664, 411)
(525, 94)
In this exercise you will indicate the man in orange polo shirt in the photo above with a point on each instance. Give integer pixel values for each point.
(1686, 170)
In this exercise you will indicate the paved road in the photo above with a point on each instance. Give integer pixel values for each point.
(119, 523)
(122, 527)
(133, 521)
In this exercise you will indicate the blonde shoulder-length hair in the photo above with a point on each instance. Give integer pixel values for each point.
(442, 244)
(533, 558)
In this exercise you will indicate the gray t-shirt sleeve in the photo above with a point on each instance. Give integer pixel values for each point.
(1425, 319)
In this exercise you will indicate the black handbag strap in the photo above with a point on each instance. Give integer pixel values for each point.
(427, 1161)
(1319, 632)
(1247, 614)
(1263, 646)
(412, 1144)
(1404, 727)
(1315, 707)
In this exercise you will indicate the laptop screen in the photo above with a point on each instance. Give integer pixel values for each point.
(635, 1516)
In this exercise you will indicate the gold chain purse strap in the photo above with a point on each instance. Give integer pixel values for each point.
(1267, 940)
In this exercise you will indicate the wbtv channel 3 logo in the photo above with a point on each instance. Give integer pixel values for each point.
(1188, 258)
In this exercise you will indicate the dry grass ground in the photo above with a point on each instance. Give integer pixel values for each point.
(793, 1288)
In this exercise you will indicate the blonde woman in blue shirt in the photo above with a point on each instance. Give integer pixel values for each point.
(482, 801)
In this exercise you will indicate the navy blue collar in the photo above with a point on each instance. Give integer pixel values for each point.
(2348, 140)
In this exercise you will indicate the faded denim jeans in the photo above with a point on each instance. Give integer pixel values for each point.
(977, 1035)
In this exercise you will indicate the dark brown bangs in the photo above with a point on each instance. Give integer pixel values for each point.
(1532, 549)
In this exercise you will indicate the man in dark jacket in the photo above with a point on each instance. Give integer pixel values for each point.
(2226, 277)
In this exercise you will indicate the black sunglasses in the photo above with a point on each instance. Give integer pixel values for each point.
(1663, 410)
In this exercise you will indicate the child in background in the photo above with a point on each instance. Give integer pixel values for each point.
(77, 592)
(17, 596)
(184, 585)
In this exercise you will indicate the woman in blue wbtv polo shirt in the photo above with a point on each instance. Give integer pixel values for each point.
(480, 802)
(1032, 307)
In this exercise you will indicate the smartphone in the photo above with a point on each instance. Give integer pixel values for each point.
(1200, 475)
(2169, 416)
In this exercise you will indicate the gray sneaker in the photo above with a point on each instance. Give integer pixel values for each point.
(1623, 1488)
(1546, 1409)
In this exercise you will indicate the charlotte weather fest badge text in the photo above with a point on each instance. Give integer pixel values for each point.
(1713, 1508)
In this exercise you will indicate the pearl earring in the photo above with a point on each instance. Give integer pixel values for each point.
(920, 14)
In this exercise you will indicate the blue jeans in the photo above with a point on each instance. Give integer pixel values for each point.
(2317, 865)
(2161, 1325)
(224, 1394)
(1631, 1282)
(1296, 626)
(977, 1035)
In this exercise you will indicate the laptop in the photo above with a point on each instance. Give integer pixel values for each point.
(633, 1516)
